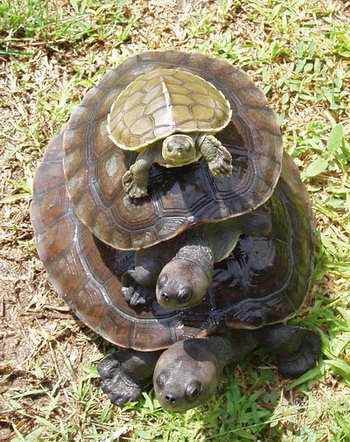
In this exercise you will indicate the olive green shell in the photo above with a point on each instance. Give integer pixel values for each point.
(178, 197)
(163, 102)
(263, 281)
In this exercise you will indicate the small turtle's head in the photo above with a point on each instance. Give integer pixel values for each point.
(185, 376)
(179, 150)
(181, 284)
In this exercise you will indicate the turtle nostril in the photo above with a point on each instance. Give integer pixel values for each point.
(164, 296)
(170, 399)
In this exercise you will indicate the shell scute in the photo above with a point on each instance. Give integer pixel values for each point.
(182, 114)
(203, 112)
(142, 127)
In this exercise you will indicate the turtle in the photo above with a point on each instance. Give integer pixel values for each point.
(170, 117)
(259, 285)
(178, 198)
(180, 270)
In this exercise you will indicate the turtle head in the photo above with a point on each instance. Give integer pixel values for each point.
(185, 375)
(179, 150)
(181, 284)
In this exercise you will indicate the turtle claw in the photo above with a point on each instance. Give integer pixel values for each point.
(137, 295)
(222, 169)
(221, 165)
(131, 187)
(118, 386)
(217, 156)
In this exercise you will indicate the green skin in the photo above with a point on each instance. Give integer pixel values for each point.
(182, 271)
(175, 151)
(186, 374)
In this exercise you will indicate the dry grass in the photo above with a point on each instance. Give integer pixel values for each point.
(51, 54)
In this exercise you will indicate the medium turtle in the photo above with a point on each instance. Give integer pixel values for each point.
(180, 270)
(178, 198)
(169, 116)
(261, 283)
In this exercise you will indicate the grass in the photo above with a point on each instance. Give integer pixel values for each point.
(52, 53)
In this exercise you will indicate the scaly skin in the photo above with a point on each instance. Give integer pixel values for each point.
(186, 374)
(219, 160)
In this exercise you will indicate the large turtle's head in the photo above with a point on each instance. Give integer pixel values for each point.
(179, 150)
(185, 375)
(181, 284)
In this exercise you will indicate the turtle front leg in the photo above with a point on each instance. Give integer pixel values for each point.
(216, 155)
(125, 372)
(297, 349)
(139, 283)
(135, 180)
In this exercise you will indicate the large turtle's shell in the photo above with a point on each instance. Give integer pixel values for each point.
(178, 197)
(269, 271)
(163, 102)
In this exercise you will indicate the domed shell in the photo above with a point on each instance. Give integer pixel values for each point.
(162, 102)
(87, 273)
(178, 199)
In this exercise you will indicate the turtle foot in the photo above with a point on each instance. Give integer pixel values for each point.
(221, 167)
(134, 293)
(299, 362)
(138, 295)
(118, 386)
(217, 156)
(131, 187)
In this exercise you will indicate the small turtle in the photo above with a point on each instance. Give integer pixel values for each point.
(225, 99)
(169, 116)
(262, 282)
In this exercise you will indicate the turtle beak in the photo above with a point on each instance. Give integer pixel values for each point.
(175, 300)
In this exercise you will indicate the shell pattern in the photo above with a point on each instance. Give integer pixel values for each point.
(163, 102)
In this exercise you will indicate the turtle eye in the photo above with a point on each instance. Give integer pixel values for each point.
(162, 280)
(193, 390)
(161, 379)
(185, 293)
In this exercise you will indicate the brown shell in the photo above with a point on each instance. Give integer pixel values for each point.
(177, 198)
(162, 102)
(87, 273)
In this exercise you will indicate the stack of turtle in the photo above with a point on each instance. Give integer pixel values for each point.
(168, 217)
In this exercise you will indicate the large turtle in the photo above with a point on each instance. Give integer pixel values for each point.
(170, 117)
(178, 199)
(263, 282)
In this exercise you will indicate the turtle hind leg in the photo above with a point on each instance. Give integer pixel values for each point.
(297, 349)
(125, 372)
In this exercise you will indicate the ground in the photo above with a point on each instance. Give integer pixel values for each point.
(51, 54)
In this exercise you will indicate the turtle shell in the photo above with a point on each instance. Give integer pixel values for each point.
(87, 273)
(163, 102)
(94, 166)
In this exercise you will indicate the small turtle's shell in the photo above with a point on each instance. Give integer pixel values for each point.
(163, 102)
(263, 281)
(178, 199)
